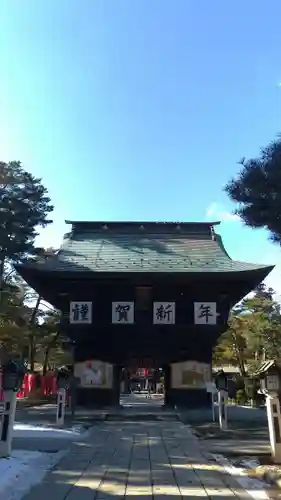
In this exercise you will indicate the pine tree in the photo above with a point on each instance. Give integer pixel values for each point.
(257, 190)
(24, 207)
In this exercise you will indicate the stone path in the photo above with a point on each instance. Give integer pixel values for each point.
(144, 459)
(140, 401)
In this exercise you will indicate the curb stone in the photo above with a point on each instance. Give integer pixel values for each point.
(273, 478)
(270, 477)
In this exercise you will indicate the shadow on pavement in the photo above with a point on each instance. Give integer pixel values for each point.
(240, 439)
(204, 484)
(144, 460)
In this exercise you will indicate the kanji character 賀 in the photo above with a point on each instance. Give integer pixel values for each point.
(122, 312)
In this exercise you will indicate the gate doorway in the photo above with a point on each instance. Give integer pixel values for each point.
(142, 387)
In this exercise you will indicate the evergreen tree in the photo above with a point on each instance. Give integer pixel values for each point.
(24, 207)
(257, 190)
(254, 332)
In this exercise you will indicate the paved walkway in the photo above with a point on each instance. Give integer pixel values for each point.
(141, 401)
(138, 459)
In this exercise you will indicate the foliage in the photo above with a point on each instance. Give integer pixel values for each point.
(29, 332)
(25, 206)
(12, 319)
(27, 329)
(241, 397)
(253, 334)
(38, 340)
(49, 342)
(257, 190)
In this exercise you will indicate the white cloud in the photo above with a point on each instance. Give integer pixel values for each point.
(52, 235)
(216, 211)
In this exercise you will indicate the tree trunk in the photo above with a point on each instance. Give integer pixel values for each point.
(48, 349)
(31, 334)
(46, 359)
(239, 355)
(31, 353)
(35, 311)
(2, 265)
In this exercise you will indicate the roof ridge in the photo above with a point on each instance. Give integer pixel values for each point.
(140, 223)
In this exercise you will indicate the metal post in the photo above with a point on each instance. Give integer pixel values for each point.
(61, 399)
(7, 419)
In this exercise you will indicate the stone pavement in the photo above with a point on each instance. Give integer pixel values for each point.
(144, 459)
(140, 401)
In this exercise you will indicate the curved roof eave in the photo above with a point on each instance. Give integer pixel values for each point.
(38, 268)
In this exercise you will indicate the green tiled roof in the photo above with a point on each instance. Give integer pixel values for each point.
(144, 247)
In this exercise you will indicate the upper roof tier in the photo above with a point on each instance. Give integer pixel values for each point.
(151, 247)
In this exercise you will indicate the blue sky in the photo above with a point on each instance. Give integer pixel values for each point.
(141, 109)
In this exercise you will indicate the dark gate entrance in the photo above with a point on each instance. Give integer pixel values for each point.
(131, 291)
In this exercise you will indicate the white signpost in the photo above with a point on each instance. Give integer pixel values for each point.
(274, 426)
(7, 419)
(222, 404)
(62, 385)
(270, 388)
(61, 400)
